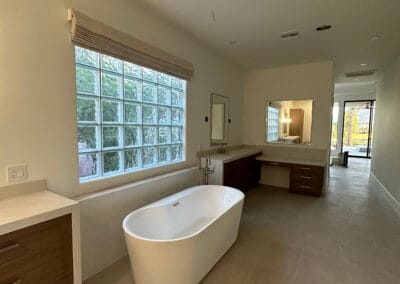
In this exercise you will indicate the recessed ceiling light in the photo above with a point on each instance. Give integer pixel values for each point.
(323, 28)
(375, 38)
(363, 64)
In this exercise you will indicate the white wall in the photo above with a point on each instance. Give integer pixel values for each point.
(386, 151)
(37, 87)
(308, 81)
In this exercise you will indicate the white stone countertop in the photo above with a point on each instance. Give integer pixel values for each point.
(31, 206)
(235, 155)
(291, 161)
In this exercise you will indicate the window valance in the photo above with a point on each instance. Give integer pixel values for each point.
(92, 34)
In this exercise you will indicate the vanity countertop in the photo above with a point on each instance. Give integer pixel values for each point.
(235, 155)
(31, 206)
(290, 161)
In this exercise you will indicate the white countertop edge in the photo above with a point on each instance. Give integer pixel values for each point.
(291, 161)
(38, 218)
(235, 155)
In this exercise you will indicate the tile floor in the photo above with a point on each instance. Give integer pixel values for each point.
(351, 235)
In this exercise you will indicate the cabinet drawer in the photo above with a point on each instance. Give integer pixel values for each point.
(306, 169)
(277, 164)
(36, 268)
(10, 250)
(310, 178)
(41, 253)
(306, 188)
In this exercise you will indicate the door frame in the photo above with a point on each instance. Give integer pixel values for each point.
(370, 126)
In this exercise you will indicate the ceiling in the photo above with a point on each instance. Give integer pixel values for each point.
(248, 32)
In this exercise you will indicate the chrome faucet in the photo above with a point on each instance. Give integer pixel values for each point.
(208, 170)
(222, 150)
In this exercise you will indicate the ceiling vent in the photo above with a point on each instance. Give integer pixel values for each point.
(323, 28)
(360, 73)
(291, 34)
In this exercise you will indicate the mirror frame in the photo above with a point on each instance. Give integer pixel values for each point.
(288, 144)
(226, 119)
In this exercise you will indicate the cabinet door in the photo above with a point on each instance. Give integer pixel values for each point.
(296, 125)
(232, 174)
(255, 172)
(243, 173)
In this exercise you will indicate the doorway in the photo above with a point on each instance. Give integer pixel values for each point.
(358, 122)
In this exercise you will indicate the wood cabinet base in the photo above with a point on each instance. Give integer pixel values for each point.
(41, 253)
(306, 179)
(243, 173)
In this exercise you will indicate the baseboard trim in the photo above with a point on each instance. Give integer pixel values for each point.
(394, 203)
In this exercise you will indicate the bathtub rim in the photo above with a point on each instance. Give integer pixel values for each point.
(168, 200)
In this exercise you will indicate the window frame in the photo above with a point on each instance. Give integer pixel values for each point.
(121, 124)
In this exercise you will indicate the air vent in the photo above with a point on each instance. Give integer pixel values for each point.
(291, 34)
(360, 73)
(323, 28)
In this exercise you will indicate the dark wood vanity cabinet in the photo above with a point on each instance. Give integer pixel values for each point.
(243, 173)
(41, 253)
(306, 179)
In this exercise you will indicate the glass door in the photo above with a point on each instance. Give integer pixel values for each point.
(357, 128)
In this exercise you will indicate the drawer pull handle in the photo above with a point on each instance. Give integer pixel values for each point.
(307, 169)
(306, 187)
(304, 177)
(18, 281)
(274, 163)
(10, 247)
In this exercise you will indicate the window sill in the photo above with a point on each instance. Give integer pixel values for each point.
(103, 183)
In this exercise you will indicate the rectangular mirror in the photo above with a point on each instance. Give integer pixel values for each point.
(219, 119)
(289, 122)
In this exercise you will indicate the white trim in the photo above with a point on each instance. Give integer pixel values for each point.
(394, 203)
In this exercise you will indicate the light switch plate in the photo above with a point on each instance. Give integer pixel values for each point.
(17, 173)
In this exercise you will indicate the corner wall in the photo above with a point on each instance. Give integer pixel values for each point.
(385, 163)
(37, 87)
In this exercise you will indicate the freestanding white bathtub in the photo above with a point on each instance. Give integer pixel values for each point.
(179, 239)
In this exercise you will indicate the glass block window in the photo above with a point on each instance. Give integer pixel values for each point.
(273, 124)
(129, 117)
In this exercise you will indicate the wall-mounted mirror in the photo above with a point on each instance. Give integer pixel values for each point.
(219, 119)
(289, 122)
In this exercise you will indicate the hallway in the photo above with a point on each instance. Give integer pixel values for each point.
(351, 235)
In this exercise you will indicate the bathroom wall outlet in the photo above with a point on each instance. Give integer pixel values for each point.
(17, 173)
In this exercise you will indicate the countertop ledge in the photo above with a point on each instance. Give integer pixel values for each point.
(235, 155)
(29, 207)
(291, 161)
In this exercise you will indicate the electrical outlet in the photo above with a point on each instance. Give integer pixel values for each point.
(17, 173)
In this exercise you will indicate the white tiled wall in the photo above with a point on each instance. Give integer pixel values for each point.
(102, 214)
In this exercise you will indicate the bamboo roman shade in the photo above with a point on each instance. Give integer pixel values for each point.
(89, 33)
